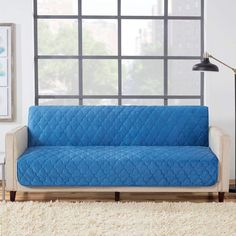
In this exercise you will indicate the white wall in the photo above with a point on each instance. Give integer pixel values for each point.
(20, 13)
(219, 87)
(220, 40)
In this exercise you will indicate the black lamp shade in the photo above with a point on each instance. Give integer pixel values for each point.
(205, 65)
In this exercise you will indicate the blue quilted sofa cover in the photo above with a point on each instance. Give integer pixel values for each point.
(117, 146)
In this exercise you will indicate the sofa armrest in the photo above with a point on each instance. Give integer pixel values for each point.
(16, 142)
(220, 145)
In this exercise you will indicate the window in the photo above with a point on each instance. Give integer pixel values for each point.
(118, 52)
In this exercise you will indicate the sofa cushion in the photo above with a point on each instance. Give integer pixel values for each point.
(117, 166)
(118, 126)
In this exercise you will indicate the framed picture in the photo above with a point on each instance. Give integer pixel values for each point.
(3, 42)
(7, 72)
(3, 105)
(3, 72)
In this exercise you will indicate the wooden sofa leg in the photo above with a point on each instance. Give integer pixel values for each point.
(117, 196)
(221, 196)
(12, 196)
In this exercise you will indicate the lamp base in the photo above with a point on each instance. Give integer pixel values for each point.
(232, 189)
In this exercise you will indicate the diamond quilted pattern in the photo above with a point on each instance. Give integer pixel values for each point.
(117, 166)
(118, 126)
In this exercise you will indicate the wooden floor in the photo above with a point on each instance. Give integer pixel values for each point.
(157, 197)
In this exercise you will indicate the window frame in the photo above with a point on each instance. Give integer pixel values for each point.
(119, 57)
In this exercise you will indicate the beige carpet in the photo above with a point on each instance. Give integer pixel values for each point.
(86, 218)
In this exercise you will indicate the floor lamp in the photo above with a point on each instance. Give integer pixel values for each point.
(206, 65)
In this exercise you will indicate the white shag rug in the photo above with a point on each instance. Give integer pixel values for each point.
(118, 219)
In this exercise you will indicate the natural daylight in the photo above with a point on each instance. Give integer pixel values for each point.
(117, 118)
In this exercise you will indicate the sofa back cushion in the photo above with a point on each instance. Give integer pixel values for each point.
(118, 125)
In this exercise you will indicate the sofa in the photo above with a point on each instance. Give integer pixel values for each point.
(117, 149)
